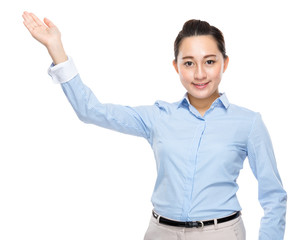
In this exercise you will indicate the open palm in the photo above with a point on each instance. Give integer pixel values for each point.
(46, 34)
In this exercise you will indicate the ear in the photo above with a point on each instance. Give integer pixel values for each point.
(175, 66)
(226, 61)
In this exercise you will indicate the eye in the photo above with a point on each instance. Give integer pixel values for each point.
(188, 64)
(209, 62)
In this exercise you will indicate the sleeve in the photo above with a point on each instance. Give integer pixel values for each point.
(272, 196)
(137, 121)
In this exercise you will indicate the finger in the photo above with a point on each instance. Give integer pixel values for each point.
(36, 19)
(49, 23)
(28, 20)
(27, 17)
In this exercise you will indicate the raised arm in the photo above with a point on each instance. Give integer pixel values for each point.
(47, 34)
(136, 121)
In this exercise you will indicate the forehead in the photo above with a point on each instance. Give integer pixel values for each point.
(198, 46)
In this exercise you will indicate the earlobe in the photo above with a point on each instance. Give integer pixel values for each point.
(175, 66)
(226, 61)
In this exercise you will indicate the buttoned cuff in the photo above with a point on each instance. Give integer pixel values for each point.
(63, 72)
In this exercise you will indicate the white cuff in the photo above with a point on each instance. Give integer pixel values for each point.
(63, 72)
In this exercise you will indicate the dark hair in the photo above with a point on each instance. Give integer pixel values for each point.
(195, 27)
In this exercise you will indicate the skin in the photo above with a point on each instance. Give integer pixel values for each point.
(199, 61)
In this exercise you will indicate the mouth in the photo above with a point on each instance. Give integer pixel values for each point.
(200, 85)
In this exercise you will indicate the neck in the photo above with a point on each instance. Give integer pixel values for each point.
(203, 104)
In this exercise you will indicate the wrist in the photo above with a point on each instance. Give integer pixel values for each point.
(57, 52)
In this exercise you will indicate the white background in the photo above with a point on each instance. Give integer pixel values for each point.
(63, 179)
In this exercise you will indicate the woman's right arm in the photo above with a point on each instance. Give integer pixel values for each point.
(136, 121)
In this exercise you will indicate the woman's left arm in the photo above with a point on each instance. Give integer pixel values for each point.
(271, 194)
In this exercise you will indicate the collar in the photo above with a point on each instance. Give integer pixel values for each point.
(222, 100)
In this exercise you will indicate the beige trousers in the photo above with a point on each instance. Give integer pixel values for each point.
(231, 230)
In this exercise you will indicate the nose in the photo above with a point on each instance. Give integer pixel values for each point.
(200, 73)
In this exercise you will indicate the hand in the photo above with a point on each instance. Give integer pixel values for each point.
(47, 34)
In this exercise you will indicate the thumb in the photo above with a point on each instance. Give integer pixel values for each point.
(48, 23)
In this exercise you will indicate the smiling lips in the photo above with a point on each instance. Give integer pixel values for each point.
(200, 85)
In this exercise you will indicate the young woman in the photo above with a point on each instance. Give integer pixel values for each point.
(199, 142)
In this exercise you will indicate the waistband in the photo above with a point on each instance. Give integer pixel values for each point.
(193, 224)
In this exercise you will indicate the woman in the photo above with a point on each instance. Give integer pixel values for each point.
(199, 142)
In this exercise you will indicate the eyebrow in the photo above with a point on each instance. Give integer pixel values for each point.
(209, 55)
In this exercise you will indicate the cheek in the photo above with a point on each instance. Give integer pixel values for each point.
(185, 75)
(215, 73)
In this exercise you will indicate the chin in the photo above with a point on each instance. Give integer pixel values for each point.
(202, 94)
